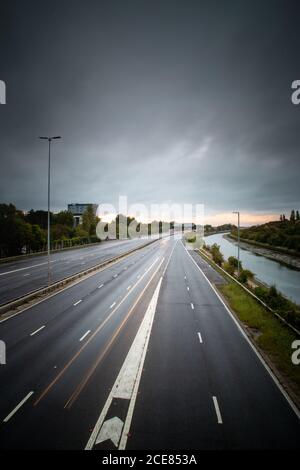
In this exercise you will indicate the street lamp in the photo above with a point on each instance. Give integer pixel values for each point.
(48, 232)
(238, 214)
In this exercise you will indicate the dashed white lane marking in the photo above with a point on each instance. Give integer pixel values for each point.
(244, 334)
(85, 335)
(126, 384)
(129, 287)
(101, 285)
(36, 331)
(218, 413)
(17, 407)
(200, 337)
(78, 302)
(112, 305)
(115, 275)
(125, 268)
(192, 306)
(27, 274)
(185, 277)
(187, 287)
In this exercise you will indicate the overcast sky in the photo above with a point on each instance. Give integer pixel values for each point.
(176, 101)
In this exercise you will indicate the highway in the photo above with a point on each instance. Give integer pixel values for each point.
(142, 355)
(22, 276)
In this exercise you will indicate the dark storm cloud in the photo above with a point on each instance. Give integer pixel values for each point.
(180, 101)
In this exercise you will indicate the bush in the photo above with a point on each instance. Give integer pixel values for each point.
(216, 254)
(229, 268)
(233, 261)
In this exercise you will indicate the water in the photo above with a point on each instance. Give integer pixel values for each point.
(286, 280)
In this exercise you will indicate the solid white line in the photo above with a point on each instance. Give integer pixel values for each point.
(27, 267)
(192, 305)
(85, 334)
(101, 285)
(127, 382)
(36, 331)
(200, 337)
(17, 407)
(78, 302)
(263, 362)
(218, 413)
(112, 305)
(166, 267)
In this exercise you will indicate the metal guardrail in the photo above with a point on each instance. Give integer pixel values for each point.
(252, 294)
(23, 300)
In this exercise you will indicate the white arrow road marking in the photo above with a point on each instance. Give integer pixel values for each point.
(111, 429)
(128, 380)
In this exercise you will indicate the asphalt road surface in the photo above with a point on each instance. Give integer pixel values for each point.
(20, 277)
(142, 355)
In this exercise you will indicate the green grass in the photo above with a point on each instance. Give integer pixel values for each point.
(273, 337)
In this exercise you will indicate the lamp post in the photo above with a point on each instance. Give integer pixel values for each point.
(238, 214)
(48, 231)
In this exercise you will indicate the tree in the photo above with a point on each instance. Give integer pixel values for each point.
(292, 216)
(38, 218)
(15, 233)
(89, 220)
(38, 238)
(233, 261)
(297, 215)
(64, 218)
(216, 254)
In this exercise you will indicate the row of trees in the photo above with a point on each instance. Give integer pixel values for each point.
(231, 265)
(283, 234)
(269, 295)
(27, 232)
(293, 217)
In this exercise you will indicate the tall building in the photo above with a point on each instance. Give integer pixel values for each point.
(78, 209)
